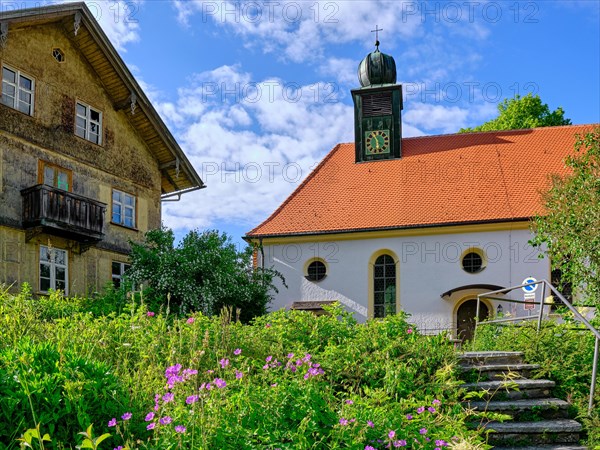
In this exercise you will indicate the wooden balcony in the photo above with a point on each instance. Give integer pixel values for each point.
(61, 213)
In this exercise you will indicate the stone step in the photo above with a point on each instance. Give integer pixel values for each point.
(559, 431)
(525, 410)
(495, 371)
(511, 390)
(489, 358)
(544, 447)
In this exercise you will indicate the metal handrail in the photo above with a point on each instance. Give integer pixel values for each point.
(541, 303)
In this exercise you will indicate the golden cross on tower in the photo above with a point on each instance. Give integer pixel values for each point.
(376, 31)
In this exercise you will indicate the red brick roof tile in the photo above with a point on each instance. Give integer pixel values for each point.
(440, 180)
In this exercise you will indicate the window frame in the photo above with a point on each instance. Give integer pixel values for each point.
(17, 86)
(387, 284)
(478, 252)
(88, 121)
(53, 266)
(122, 205)
(307, 273)
(123, 266)
(42, 165)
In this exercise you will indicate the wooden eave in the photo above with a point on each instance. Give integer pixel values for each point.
(177, 172)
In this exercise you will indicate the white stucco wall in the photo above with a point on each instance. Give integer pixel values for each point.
(427, 266)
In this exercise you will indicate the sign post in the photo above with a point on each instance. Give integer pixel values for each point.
(529, 295)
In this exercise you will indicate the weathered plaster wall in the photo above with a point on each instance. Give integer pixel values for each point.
(122, 162)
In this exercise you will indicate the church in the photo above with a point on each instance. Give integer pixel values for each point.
(420, 224)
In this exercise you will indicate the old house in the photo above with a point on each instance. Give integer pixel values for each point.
(421, 224)
(85, 160)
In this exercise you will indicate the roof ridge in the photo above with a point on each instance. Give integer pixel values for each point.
(582, 125)
(310, 176)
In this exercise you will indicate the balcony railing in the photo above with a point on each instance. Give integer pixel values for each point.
(63, 213)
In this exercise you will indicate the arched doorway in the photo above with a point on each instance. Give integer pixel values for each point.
(465, 318)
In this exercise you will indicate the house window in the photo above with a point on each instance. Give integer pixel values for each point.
(384, 285)
(88, 123)
(54, 270)
(316, 271)
(55, 176)
(118, 271)
(17, 90)
(58, 55)
(123, 209)
(472, 262)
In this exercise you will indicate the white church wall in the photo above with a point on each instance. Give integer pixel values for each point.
(427, 266)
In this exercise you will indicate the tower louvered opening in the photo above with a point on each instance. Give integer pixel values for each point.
(379, 104)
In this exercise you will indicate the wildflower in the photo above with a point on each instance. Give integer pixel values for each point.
(423, 431)
(436, 402)
(165, 420)
(180, 429)
(224, 363)
(441, 443)
(112, 422)
(187, 373)
(208, 386)
(290, 355)
(238, 374)
(149, 417)
(268, 325)
(431, 409)
(220, 383)
(265, 367)
(343, 422)
(268, 358)
(237, 351)
(307, 357)
(191, 320)
(150, 314)
(120, 447)
(151, 426)
(274, 385)
(370, 424)
(400, 443)
(209, 371)
(349, 402)
(391, 434)
(369, 447)
(191, 399)
(409, 417)
(168, 397)
(420, 409)
(409, 331)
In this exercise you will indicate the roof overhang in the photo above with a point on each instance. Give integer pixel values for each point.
(177, 173)
(468, 287)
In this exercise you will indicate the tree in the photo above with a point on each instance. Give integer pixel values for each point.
(570, 228)
(522, 112)
(205, 272)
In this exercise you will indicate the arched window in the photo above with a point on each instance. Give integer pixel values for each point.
(384, 286)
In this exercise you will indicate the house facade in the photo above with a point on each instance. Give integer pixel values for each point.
(85, 160)
(420, 224)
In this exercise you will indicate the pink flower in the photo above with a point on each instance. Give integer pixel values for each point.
(370, 424)
(237, 351)
(423, 431)
(180, 429)
(238, 374)
(391, 434)
(349, 402)
(165, 420)
(224, 363)
(268, 325)
(436, 402)
(150, 426)
(149, 417)
(220, 383)
(420, 409)
(191, 320)
(150, 314)
(409, 331)
(431, 409)
(112, 422)
(409, 417)
(343, 422)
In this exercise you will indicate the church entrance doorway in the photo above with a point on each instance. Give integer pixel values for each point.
(465, 318)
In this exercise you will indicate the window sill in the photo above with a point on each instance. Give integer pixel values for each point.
(120, 225)
(101, 145)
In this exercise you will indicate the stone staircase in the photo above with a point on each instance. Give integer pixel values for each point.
(538, 420)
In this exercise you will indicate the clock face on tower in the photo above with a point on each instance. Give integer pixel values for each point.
(377, 142)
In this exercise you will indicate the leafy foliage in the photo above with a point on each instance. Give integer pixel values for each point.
(205, 272)
(521, 113)
(288, 380)
(570, 227)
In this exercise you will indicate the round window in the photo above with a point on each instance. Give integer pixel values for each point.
(316, 271)
(472, 262)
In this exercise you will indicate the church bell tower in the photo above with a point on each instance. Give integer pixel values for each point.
(377, 109)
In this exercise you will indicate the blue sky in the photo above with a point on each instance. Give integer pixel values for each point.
(257, 93)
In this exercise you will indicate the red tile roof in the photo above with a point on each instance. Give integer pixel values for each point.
(440, 180)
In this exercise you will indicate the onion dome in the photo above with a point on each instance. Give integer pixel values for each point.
(377, 68)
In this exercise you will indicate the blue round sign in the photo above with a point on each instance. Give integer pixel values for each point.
(531, 287)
